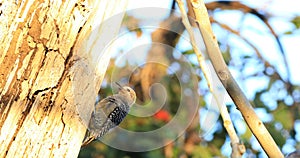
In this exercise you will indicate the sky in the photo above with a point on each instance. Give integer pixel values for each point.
(283, 10)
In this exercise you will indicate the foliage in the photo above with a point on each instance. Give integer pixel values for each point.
(270, 90)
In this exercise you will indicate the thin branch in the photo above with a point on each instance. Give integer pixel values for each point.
(237, 148)
(235, 5)
(258, 54)
(238, 97)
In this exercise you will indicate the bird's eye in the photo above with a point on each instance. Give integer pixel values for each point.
(128, 90)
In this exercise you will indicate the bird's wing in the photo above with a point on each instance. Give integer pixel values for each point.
(108, 104)
(109, 112)
(117, 115)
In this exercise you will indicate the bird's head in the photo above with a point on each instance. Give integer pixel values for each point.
(127, 93)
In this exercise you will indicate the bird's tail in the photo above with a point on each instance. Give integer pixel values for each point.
(89, 137)
(92, 135)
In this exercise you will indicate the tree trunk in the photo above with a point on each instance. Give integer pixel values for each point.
(53, 57)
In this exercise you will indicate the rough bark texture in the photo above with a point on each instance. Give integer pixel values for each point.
(50, 72)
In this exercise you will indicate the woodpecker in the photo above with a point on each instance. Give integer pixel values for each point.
(109, 113)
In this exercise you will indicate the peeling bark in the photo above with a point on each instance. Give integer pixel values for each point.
(49, 75)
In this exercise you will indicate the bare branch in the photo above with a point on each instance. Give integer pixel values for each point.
(238, 97)
(237, 148)
(266, 63)
(235, 5)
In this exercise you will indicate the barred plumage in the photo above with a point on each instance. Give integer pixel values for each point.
(109, 113)
(117, 115)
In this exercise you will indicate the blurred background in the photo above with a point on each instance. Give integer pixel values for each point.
(260, 43)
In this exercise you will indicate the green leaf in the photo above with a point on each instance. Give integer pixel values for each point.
(257, 101)
(288, 33)
(247, 56)
(296, 22)
(227, 56)
(283, 115)
(276, 134)
(201, 152)
(188, 52)
(271, 81)
(247, 135)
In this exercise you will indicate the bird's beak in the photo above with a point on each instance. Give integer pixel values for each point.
(118, 84)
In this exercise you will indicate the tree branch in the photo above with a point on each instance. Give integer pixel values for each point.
(258, 54)
(238, 97)
(232, 5)
(237, 148)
